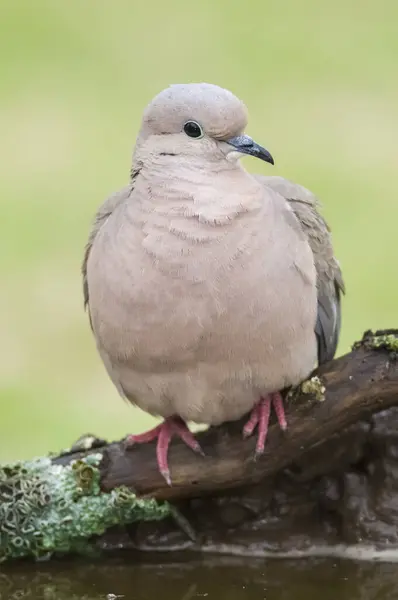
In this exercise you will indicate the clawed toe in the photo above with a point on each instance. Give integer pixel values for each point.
(164, 434)
(260, 417)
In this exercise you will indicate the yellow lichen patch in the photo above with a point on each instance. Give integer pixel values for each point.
(315, 387)
(388, 342)
(380, 340)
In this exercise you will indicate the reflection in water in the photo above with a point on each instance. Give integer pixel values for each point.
(212, 578)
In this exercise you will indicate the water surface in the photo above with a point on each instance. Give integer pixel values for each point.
(213, 578)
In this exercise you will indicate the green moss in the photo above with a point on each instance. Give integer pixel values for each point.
(47, 508)
(315, 387)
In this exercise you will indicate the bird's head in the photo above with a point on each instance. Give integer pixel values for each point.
(198, 121)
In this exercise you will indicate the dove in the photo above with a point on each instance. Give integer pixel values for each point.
(209, 290)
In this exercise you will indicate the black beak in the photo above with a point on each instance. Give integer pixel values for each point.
(245, 145)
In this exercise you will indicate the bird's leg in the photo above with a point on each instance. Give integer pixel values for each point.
(164, 433)
(260, 416)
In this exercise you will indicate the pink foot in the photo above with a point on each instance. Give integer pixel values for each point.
(260, 416)
(164, 433)
(277, 402)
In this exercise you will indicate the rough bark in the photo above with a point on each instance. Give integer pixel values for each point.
(330, 479)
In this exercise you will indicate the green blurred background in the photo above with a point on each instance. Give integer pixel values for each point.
(320, 80)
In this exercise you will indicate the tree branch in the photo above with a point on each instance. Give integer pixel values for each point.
(356, 385)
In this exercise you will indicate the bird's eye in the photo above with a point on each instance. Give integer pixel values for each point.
(193, 129)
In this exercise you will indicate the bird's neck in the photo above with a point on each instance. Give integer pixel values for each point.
(213, 194)
(186, 216)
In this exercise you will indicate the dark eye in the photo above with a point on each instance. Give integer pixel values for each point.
(193, 129)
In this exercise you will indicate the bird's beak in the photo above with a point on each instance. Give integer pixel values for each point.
(246, 145)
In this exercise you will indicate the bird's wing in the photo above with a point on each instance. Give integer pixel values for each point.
(330, 282)
(102, 215)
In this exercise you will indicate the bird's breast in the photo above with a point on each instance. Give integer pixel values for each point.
(169, 293)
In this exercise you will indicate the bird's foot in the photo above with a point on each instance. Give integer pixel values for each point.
(164, 433)
(260, 416)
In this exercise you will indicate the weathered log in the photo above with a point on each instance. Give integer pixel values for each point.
(329, 479)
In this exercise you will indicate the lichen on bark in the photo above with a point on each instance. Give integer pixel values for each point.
(380, 340)
(388, 342)
(314, 387)
(47, 508)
